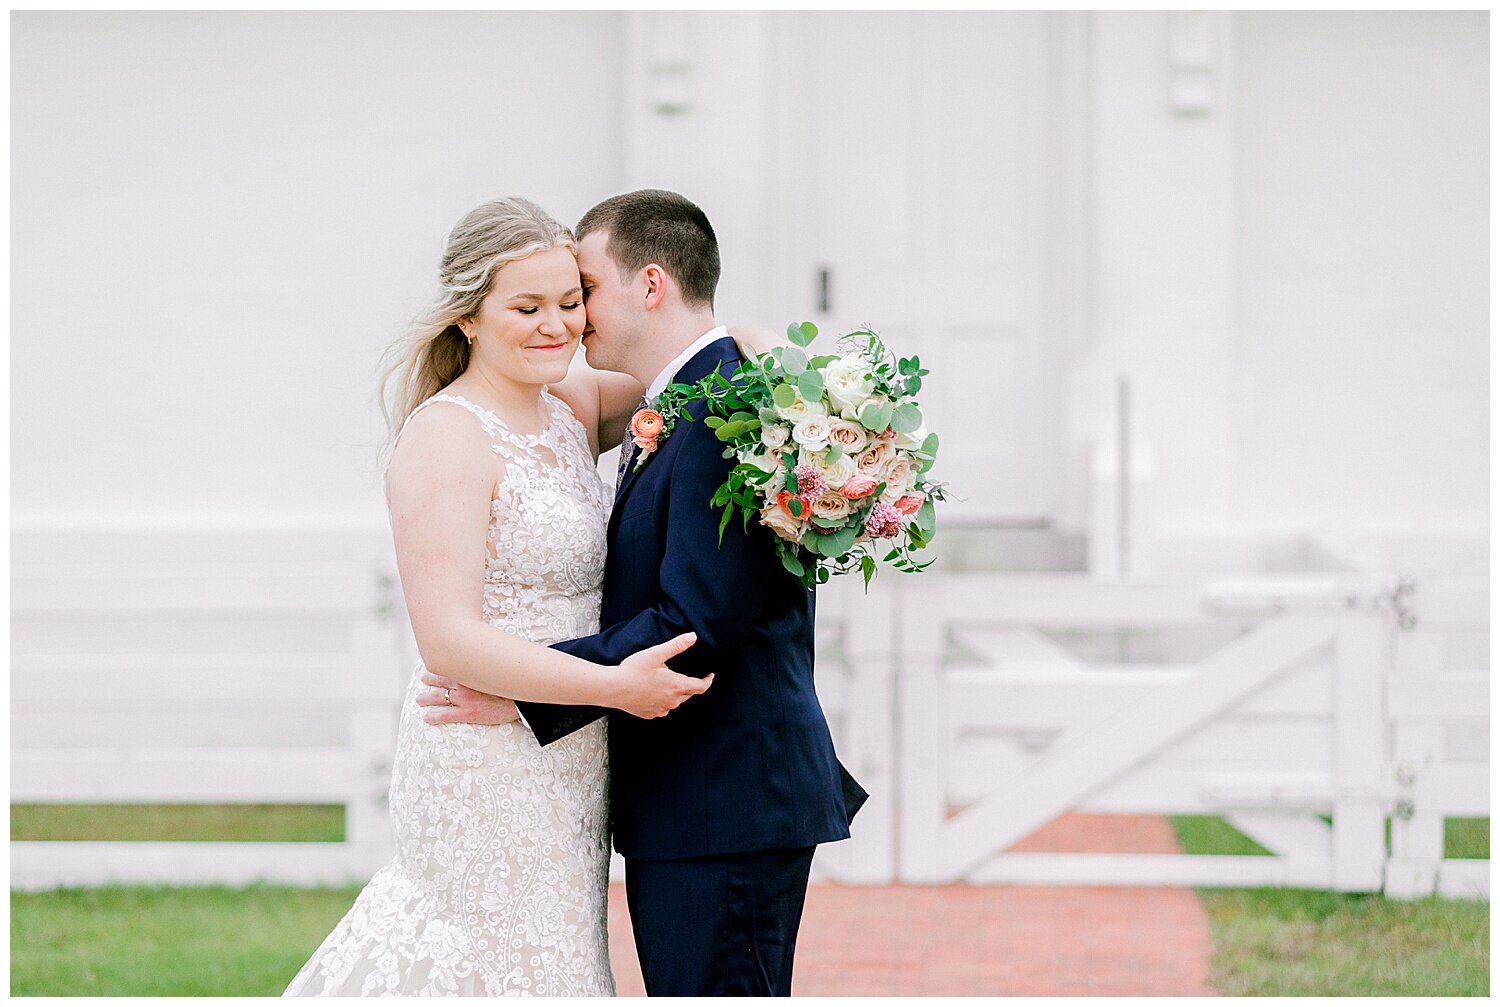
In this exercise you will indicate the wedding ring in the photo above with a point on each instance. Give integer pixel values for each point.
(448, 696)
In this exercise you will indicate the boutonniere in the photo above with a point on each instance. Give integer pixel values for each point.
(653, 422)
(649, 428)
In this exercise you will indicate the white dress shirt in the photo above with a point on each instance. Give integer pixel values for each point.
(659, 385)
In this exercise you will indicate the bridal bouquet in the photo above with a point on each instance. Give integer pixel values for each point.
(832, 453)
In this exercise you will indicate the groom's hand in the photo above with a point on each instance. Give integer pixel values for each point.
(458, 704)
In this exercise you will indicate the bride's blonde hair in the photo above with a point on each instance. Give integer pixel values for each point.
(433, 351)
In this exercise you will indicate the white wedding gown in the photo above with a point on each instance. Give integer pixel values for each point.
(500, 882)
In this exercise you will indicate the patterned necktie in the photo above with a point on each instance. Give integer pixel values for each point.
(627, 446)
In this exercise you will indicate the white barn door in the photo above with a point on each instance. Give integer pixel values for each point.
(932, 185)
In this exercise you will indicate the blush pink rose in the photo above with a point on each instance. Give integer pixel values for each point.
(858, 487)
(874, 461)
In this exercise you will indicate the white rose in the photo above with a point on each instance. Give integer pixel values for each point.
(847, 384)
(774, 435)
(812, 433)
(839, 472)
(800, 409)
(766, 461)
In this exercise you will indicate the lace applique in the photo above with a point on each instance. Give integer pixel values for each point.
(500, 882)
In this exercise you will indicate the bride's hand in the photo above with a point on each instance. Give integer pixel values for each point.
(755, 341)
(648, 688)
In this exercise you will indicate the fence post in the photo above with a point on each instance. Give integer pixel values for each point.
(373, 714)
(1416, 830)
(922, 730)
(870, 648)
(1359, 753)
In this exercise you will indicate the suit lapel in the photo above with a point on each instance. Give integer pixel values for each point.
(720, 351)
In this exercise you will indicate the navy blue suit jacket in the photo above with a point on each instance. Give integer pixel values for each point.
(749, 765)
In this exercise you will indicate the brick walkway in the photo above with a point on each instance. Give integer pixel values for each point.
(992, 940)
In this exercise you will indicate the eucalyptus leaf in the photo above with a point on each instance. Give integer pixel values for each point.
(810, 383)
(793, 360)
(927, 518)
(784, 396)
(792, 563)
(796, 335)
(876, 416)
(906, 417)
(839, 542)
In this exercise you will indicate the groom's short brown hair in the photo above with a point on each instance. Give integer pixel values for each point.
(655, 225)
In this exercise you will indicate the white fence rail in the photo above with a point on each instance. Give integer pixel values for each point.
(974, 708)
(131, 661)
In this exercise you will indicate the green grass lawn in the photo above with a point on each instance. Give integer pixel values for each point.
(244, 823)
(137, 941)
(1288, 942)
(205, 941)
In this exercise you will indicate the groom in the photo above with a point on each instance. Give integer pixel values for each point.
(719, 806)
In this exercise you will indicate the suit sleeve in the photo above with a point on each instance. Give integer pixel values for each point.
(716, 591)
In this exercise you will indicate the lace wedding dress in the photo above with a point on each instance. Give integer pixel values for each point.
(501, 876)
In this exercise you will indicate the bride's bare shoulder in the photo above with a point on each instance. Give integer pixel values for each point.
(579, 391)
(440, 441)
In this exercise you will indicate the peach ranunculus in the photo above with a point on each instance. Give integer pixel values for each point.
(784, 501)
(858, 487)
(832, 506)
(849, 436)
(909, 505)
(780, 520)
(645, 427)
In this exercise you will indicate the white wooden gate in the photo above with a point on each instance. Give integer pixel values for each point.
(1018, 701)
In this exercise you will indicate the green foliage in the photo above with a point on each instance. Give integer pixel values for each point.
(876, 416)
(803, 334)
(810, 384)
(906, 417)
(793, 360)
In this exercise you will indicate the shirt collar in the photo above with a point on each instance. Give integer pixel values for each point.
(659, 385)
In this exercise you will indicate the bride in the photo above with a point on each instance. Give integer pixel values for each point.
(500, 880)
